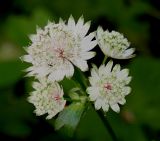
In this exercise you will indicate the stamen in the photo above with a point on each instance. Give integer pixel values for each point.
(57, 97)
(60, 52)
(108, 86)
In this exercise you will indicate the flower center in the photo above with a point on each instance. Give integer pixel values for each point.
(57, 97)
(107, 86)
(60, 52)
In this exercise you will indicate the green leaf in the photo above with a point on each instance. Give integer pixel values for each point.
(69, 84)
(80, 77)
(18, 112)
(69, 118)
(143, 102)
(10, 72)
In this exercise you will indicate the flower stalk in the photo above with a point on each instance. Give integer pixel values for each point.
(107, 125)
(104, 60)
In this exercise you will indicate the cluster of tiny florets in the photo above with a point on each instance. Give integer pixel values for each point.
(109, 86)
(114, 44)
(58, 48)
(47, 98)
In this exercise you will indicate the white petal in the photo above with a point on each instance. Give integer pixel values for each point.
(122, 101)
(39, 30)
(68, 69)
(109, 66)
(29, 69)
(99, 32)
(88, 45)
(27, 58)
(80, 64)
(94, 73)
(128, 52)
(128, 80)
(105, 107)
(89, 37)
(123, 74)
(98, 104)
(30, 74)
(102, 70)
(56, 75)
(127, 90)
(106, 49)
(115, 107)
(93, 80)
(42, 71)
(71, 22)
(61, 21)
(88, 55)
(34, 38)
(95, 67)
(93, 92)
(36, 85)
(79, 24)
(85, 29)
(116, 68)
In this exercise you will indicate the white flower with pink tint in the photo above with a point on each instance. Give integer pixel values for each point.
(113, 44)
(47, 98)
(108, 86)
(56, 48)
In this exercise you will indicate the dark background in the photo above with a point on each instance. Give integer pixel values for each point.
(138, 20)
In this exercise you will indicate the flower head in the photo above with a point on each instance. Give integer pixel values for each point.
(113, 44)
(47, 98)
(56, 48)
(108, 86)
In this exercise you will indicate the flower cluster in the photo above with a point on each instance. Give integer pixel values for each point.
(47, 98)
(58, 48)
(108, 86)
(113, 44)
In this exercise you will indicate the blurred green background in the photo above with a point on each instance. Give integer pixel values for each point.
(139, 20)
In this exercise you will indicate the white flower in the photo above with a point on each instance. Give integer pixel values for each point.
(55, 49)
(47, 98)
(113, 44)
(108, 86)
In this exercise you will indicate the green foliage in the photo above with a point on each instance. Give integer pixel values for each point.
(144, 100)
(14, 114)
(10, 72)
(18, 28)
(69, 118)
(143, 104)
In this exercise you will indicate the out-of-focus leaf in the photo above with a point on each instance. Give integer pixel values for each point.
(125, 130)
(69, 84)
(91, 128)
(79, 77)
(145, 96)
(10, 72)
(69, 118)
(17, 28)
(16, 128)
(14, 115)
(97, 130)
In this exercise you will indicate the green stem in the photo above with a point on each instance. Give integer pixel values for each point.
(104, 60)
(100, 113)
(107, 125)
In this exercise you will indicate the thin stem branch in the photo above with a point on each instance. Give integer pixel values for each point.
(104, 60)
(107, 125)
